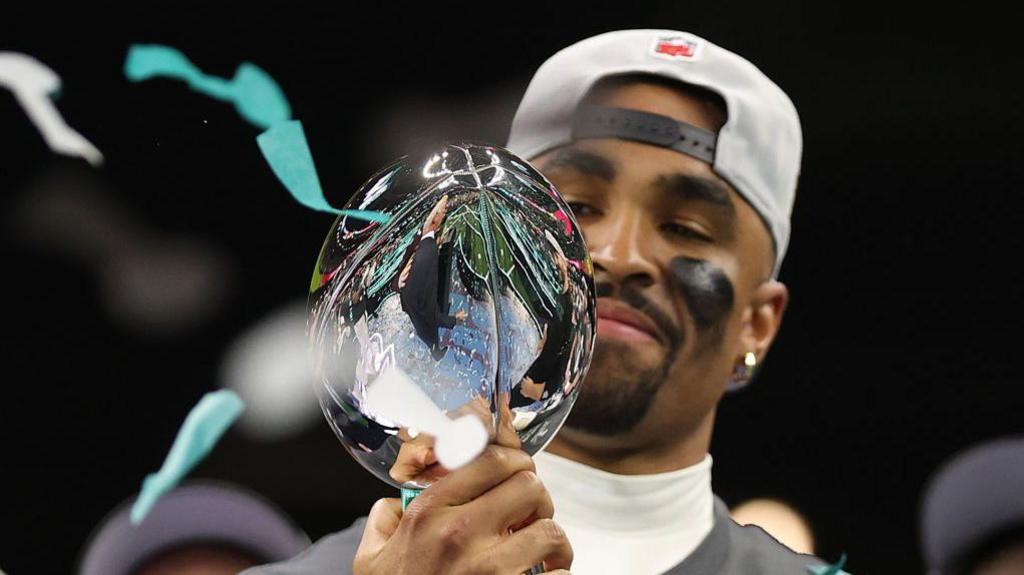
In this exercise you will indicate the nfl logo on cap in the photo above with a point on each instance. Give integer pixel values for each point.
(682, 47)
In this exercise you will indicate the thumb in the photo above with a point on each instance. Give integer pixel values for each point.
(414, 457)
(380, 526)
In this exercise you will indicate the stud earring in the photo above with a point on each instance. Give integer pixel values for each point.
(743, 372)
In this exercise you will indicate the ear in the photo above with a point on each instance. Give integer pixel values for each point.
(763, 318)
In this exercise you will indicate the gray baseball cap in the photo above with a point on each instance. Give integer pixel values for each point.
(975, 496)
(757, 151)
(199, 511)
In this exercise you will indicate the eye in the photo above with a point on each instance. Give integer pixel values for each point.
(580, 209)
(686, 231)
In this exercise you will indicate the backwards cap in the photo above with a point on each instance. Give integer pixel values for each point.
(757, 150)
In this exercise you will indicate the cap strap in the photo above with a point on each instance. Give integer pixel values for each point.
(602, 122)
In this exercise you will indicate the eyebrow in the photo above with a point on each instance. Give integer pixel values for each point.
(584, 162)
(687, 187)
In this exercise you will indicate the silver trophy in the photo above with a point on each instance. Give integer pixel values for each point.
(470, 278)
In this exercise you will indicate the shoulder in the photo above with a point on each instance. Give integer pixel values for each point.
(755, 551)
(732, 548)
(330, 554)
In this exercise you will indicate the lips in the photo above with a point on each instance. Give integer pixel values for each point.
(617, 319)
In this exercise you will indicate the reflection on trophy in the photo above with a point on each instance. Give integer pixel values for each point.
(478, 291)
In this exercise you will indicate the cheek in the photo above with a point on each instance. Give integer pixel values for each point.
(705, 288)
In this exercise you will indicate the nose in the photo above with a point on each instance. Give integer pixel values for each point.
(619, 252)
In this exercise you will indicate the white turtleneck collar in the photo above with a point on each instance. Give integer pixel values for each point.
(637, 524)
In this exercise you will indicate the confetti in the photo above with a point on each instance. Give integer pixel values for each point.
(836, 569)
(33, 85)
(203, 426)
(397, 398)
(285, 148)
(261, 102)
(256, 95)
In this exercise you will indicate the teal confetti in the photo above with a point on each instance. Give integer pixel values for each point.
(836, 569)
(285, 148)
(256, 95)
(203, 426)
(259, 100)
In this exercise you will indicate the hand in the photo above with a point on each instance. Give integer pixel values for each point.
(436, 216)
(403, 277)
(461, 315)
(416, 461)
(491, 516)
(531, 389)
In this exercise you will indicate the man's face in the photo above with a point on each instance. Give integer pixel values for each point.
(681, 262)
(1007, 561)
(198, 559)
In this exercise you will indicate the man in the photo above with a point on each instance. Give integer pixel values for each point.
(418, 286)
(972, 516)
(199, 528)
(680, 162)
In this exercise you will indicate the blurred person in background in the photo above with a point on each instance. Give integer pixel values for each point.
(972, 514)
(200, 528)
(779, 519)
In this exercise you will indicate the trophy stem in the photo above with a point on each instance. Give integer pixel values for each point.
(408, 494)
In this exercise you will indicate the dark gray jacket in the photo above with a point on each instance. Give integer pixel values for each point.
(729, 548)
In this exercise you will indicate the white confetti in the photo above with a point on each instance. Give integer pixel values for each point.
(32, 84)
(397, 398)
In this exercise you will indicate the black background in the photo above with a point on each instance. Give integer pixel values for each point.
(901, 344)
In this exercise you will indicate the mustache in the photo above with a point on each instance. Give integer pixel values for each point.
(638, 301)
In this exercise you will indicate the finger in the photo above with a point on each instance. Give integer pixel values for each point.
(493, 466)
(413, 458)
(518, 501)
(506, 433)
(541, 541)
(557, 572)
(381, 524)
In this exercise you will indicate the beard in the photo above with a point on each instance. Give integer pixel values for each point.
(617, 393)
